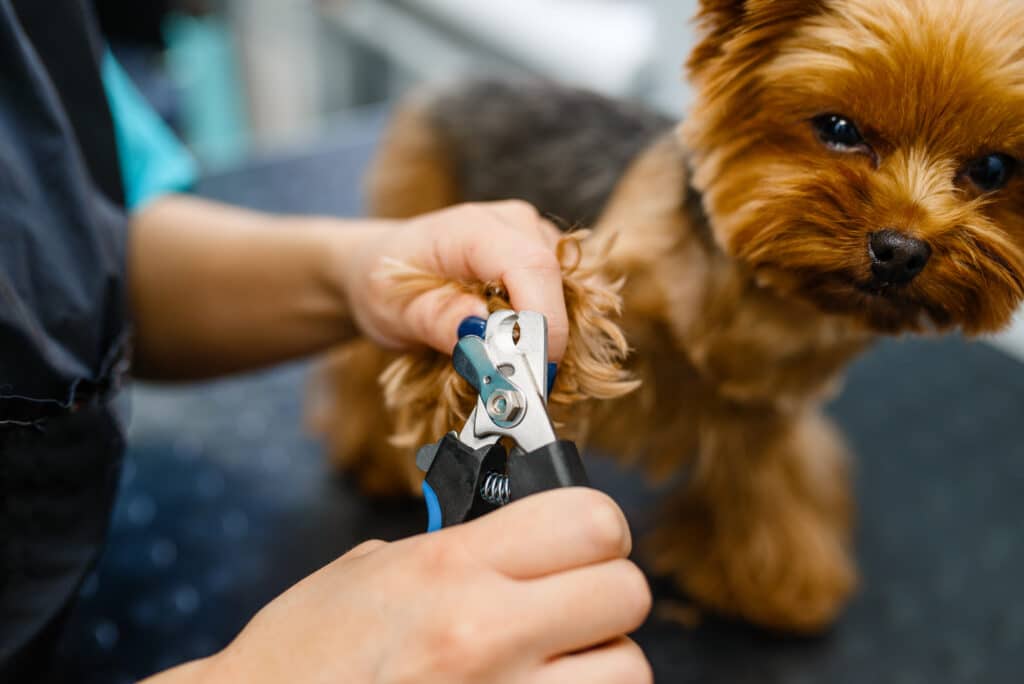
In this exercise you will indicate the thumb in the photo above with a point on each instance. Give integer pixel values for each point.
(434, 316)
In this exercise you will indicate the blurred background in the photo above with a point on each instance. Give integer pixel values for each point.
(226, 501)
(243, 77)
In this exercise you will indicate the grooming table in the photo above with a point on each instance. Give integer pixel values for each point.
(225, 502)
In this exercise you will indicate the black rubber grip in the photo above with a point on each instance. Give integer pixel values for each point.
(456, 476)
(556, 465)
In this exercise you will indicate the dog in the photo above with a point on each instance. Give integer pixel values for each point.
(848, 169)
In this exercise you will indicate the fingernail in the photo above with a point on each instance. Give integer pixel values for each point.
(552, 373)
(472, 325)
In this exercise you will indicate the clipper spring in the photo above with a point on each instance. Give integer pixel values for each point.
(496, 489)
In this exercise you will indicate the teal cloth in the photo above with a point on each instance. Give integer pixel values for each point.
(153, 161)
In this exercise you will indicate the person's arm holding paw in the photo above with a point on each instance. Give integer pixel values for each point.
(217, 289)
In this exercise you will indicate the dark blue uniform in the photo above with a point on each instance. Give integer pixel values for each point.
(64, 333)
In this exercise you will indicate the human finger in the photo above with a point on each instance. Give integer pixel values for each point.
(550, 532)
(520, 259)
(620, 661)
(433, 318)
(584, 607)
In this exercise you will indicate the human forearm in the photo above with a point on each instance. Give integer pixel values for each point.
(217, 289)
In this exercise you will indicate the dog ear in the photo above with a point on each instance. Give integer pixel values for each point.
(716, 21)
(723, 7)
(736, 9)
(760, 22)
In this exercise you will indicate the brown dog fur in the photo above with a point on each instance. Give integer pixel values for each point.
(739, 250)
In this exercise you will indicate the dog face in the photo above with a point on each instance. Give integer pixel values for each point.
(863, 154)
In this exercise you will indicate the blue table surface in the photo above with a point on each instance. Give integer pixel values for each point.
(225, 502)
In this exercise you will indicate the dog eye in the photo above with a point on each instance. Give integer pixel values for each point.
(991, 172)
(837, 132)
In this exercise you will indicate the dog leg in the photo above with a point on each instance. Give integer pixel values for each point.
(346, 407)
(762, 528)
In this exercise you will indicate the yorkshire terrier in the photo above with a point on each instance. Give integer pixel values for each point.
(847, 170)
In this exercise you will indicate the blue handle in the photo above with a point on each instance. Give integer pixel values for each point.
(433, 508)
(473, 325)
(552, 372)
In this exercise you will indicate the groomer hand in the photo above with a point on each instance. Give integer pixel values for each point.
(506, 242)
(539, 591)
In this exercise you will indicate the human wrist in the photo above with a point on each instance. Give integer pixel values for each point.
(337, 251)
(351, 262)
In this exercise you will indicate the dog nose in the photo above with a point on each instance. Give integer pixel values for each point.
(896, 258)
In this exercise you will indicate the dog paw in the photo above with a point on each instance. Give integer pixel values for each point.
(792, 572)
